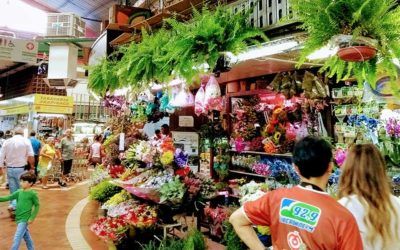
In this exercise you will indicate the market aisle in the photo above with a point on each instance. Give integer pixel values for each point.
(48, 231)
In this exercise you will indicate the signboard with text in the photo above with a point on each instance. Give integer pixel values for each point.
(18, 50)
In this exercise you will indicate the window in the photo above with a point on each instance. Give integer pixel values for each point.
(279, 1)
(270, 18)
(270, 3)
(260, 5)
(280, 14)
(261, 22)
(252, 22)
(236, 10)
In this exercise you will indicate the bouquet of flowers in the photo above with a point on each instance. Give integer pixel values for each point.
(141, 216)
(216, 216)
(122, 208)
(340, 156)
(99, 174)
(172, 191)
(117, 199)
(261, 169)
(181, 157)
(193, 185)
(142, 151)
(110, 229)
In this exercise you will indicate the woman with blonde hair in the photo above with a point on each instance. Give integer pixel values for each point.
(364, 189)
(47, 154)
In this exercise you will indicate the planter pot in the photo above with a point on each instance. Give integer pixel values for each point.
(356, 53)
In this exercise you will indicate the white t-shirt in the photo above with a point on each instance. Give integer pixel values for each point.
(353, 204)
(96, 149)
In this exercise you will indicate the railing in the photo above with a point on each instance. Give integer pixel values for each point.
(266, 13)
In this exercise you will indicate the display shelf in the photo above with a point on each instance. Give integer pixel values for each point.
(246, 173)
(287, 155)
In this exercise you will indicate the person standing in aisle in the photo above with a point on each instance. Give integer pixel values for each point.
(16, 153)
(67, 147)
(36, 145)
(27, 210)
(47, 155)
(364, 189)
(96, 153)
(305, 216)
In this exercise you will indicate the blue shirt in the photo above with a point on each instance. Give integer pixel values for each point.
(35, 145)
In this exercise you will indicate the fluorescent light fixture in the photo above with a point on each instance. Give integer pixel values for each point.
(5, 102)
(267, 49)
(324, 52)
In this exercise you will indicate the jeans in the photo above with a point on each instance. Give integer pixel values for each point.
(22, 232)
(13, 175)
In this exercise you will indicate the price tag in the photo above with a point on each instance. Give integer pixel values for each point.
(186, 121)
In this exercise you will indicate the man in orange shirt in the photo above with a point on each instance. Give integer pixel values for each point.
(305, 216)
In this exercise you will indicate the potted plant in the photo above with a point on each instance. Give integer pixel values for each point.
(206, 38)
(369, 27)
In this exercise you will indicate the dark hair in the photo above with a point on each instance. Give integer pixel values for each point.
(312, 156)
(116, 161)
(33, 133)
(157, 131)
(165, 126)
(1, 133)
(97, 137)
(29, 177)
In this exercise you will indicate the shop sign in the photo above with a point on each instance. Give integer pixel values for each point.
(14, 110)
(186, 121)
(18, 50)
(53, 104)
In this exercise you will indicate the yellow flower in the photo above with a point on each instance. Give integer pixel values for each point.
(167, 158)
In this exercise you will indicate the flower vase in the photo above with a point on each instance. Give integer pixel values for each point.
(111, 245)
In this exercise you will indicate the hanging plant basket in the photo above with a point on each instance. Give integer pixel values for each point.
(356, 53)
(355, 50)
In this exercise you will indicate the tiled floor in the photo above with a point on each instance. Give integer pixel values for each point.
(50, 229)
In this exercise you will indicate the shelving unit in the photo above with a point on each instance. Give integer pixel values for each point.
(246, 173)
(287, 155)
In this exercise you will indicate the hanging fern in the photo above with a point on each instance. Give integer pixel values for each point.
(202, 39)
(102, 76)
(377, 19)
(143, 64)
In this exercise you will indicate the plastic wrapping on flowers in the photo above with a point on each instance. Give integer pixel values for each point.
(110, 229)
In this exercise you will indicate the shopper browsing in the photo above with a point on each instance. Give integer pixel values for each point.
(26, 210)
(15, 154)
(364, 189)
(97, 151)
(305, 216)
(67, 147)
(47, 156)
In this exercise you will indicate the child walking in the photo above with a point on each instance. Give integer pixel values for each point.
(26, 210)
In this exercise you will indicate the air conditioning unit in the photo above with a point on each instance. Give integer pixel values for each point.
(64, 25)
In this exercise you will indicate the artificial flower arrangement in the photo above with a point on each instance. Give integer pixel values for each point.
(245, 118)
(275, 132)
(340, 156)
(110, 229)
(216, 217)
(117, 199)
(261, 169)
(172, 191)
(141, 216)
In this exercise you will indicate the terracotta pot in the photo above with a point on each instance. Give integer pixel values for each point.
(356, 53)
(232, 87)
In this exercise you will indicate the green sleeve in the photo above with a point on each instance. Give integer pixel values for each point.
(36, 207)
(10, 197)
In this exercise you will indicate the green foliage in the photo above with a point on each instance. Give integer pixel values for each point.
(172, 191)
(231, 239)
(103, 191)
(102, 76)
(193, 241)
(376, 19)
(145, 63)
(202, 39)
